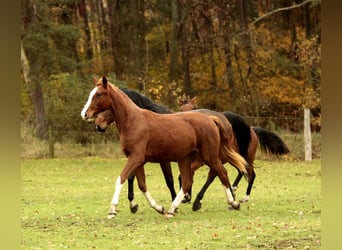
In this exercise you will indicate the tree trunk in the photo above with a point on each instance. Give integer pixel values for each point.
(186, 68)
(138, 41)
(213, 81)
(88, 44)
(36, 95)
(174, 47)
(114, 26)
(225, 21)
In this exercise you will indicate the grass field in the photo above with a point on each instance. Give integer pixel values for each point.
(65, 203)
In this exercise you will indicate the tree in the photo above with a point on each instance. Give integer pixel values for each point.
(250, 57)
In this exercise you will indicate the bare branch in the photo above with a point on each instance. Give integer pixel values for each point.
(283, 9)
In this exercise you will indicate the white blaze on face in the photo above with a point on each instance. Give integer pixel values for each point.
(86, 106)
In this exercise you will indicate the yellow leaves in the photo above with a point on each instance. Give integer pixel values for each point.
(161, 92)
(283, 89)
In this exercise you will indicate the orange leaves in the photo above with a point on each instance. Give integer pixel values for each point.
(283, 89)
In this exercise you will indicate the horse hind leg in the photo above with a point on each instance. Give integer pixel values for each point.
(251, 177)
(222, 174)
(237, 180)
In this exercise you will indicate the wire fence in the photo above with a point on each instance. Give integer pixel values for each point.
(74, 143)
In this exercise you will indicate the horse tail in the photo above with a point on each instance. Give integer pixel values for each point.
(241, 131)
(271, 143)
(226, 151)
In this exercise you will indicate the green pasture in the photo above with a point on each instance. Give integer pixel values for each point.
(64, 203)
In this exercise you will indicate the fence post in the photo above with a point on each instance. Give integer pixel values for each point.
(307, 135)
(51, 144)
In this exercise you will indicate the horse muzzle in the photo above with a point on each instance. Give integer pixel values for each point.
(86, 117)
(99, 129)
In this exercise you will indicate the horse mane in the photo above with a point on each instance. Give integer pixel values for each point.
(144, 102)
(241, 131)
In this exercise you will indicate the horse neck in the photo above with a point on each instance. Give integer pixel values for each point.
(122, 108)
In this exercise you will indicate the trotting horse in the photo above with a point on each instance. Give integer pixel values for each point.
(105, 118)
(149, 137)
(245, 142)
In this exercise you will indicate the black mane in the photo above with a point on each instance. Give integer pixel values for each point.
(145, 103)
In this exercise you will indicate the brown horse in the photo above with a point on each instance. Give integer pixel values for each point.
(245, 142)
(105, 118)
(145, 136)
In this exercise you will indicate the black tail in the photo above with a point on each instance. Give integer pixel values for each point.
(271, 143)
(241, 131)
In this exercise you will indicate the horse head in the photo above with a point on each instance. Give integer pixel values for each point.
(103, 120)
(98, 100)
(187, 104)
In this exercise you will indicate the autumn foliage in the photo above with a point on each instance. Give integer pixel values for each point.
(231, 55)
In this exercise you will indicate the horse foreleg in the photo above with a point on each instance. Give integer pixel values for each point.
(175, 204)
(115, 199)
(131, 165)
(132, 205)
(167, 172)
(197, 203)
(237, 180)
(140, 174)
(187, 196)
(195, 164)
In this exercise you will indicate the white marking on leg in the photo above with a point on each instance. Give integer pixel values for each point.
(152, 202)
(118, 187)
(176, 202)
(229, 195)
(245, 199)
(132, 203)
(86, 106)
(115, 199)
(230, 199)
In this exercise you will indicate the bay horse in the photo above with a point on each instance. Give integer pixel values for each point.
(105, 118)
(145, 136)
(246, 140)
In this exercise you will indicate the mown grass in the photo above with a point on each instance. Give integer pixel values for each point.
(65, 202)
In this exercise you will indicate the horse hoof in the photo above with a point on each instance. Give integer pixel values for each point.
(169, 215)
(134, 208)
(235, 205)
(187, 199)
(196, 206)
(244, 199)
(111, 215)
(163, 211)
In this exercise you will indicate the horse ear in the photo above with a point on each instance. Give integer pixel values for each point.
(180, 101)
(193, 100)
(104, 82)
(94, 80)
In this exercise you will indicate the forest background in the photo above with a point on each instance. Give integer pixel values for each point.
(260, 59)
